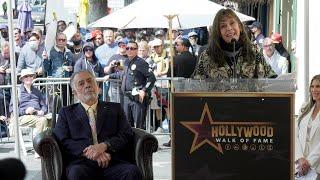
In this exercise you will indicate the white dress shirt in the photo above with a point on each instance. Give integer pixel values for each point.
(278, 63)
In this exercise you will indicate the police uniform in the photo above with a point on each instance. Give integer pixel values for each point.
(137, 76)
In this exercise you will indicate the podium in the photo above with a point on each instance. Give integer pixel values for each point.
(227, 130)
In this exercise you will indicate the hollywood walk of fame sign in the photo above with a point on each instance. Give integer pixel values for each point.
(232, 136)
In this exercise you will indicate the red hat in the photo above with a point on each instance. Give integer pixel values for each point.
(95, 33)
(276, 38)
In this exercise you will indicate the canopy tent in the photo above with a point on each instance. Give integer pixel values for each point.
(154, 14)
(177, 14)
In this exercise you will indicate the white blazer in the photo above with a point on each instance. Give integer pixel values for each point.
(300, 140)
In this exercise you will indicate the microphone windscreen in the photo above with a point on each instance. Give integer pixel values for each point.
(12, 168)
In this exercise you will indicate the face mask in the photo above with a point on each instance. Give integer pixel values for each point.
(33, 45)
(4, 34)
(76, 42)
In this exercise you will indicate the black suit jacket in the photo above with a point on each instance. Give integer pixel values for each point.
(183, 65)
(73, 131)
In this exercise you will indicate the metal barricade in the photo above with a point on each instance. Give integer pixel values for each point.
(161, 96)
(61, 87)
(5, 91)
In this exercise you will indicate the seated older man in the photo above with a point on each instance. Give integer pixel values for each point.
(32, 104)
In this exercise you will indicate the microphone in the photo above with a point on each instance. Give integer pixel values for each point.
(234, 73)
(7, 166)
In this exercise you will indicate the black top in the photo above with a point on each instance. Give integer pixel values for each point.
(283, 52)
(137, 74)
(183, 64)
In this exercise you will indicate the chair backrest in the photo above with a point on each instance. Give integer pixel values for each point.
(56, 105)
(50, 153)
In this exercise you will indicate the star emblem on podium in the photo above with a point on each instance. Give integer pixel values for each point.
(202, 131)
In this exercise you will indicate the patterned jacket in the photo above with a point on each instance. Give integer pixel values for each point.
(207, 68)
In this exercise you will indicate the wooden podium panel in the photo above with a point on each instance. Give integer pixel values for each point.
(232, 136)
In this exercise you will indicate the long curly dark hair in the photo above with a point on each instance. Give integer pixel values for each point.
(214, 46)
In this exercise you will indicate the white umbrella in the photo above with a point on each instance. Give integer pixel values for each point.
(177, 14)
(154, 13)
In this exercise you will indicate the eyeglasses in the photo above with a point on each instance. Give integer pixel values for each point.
(131, 48)
(61, 40)
(88, 49)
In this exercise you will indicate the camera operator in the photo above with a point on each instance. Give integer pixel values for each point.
(115, 66)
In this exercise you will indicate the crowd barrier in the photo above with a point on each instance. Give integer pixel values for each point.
(51, 87)
(158, 108)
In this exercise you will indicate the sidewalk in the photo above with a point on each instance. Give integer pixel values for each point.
(161, 159)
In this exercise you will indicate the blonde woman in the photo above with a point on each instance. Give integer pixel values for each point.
(307, 150)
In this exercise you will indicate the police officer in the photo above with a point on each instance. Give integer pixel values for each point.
(137, 82)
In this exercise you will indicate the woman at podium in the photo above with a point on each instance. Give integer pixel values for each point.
(230, 48)
(307, 142)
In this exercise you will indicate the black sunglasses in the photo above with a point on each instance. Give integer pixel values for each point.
(88, 49)
(62, 40)
(131, 48)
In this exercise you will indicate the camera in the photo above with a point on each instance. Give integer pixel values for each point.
(117, 63)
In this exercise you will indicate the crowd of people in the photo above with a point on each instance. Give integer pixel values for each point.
(136, 58)
(131, 61)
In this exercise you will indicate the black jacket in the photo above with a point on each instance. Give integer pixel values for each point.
(183, 64)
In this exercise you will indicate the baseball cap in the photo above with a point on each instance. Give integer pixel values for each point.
(123, 41)
(3, 26)
(95, 33)
(159, 33)
(192, 34)
(88, 37)
(156, 42)
(276, 38)
(256, 24)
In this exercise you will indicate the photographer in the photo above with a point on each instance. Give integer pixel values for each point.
(114, 68)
